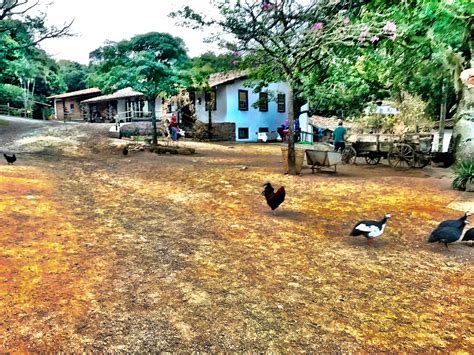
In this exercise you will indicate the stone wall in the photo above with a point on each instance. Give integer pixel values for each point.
(137, 129)
(220, 131)
(223, 131)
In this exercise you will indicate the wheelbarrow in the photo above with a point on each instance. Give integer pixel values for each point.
(320, 159)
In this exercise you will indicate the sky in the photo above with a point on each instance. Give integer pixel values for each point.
(96, 21)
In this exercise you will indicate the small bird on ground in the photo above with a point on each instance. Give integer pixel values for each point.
(469, 235)
(10, 160)
(447, 234)
(125, 151)
(274, 199)
(456, 223)
(370, 229)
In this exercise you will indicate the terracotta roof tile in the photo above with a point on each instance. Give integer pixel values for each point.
(76, 93)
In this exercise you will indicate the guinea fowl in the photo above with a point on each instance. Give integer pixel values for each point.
(447, 234)
(10, 160)
(370, 229)
(274, 199)
(456, 223)
(469, 235)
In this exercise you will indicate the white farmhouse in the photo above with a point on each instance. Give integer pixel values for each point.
(234, 115)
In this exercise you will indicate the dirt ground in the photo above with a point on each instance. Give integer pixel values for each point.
(147, 252)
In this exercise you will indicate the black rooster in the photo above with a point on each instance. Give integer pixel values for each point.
(10, 160)
(274, 199)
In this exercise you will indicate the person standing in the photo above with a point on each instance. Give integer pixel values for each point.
(173, 128)
(339, 137)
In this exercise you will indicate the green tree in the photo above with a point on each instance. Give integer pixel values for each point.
(23, 63)
(150, 63)
(209, 63)
(285, 38)
(74, 74)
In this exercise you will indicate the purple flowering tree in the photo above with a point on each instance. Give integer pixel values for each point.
(288, 39)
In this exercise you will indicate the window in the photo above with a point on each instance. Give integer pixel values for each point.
(281, 102)
(263, 130)
(211, 100)
(71, 108)
(243, 133)
(263, 102)
(243, 100)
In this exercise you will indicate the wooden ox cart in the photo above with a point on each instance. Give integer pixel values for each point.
(402, 151)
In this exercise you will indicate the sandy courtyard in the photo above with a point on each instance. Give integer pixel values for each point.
(102, 252)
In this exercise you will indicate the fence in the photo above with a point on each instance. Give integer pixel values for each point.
(13, 111)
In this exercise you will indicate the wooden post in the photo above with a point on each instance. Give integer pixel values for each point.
(442, 115)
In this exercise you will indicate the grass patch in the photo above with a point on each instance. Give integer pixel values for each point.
(3, 123)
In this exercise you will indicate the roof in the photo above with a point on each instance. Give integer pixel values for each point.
(223, 78)
(327, 122)
(120, 94)
(76, 93)
(447, 124)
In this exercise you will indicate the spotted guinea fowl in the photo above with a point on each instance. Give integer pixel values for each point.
(370, 229)
(10, 160)
(447, 234)
(457, 223)
(274, 199)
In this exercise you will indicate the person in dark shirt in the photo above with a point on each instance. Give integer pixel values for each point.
(339, 137)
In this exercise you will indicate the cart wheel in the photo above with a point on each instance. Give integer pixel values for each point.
(372, 159)
(349, 155)
(420, 161)
(401, 156)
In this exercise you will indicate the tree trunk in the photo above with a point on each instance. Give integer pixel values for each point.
(151, 103)
(463, 132)
(291, 131)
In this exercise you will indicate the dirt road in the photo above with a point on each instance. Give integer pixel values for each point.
(102, 252)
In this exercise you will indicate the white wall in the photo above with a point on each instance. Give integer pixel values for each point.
(448, 133)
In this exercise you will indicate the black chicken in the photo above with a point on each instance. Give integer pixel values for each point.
(125, 151)
(10, 160)
(274, 199)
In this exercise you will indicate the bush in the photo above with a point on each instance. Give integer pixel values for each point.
(11, 94)
(464, 173)
(411, 118)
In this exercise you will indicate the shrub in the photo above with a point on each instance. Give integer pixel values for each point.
(11, 94)
(464, 173)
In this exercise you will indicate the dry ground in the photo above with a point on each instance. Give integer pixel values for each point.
(101, 252)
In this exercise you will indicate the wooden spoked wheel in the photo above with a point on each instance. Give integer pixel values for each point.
(401, 156)
(372, 159)
(349, 155)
